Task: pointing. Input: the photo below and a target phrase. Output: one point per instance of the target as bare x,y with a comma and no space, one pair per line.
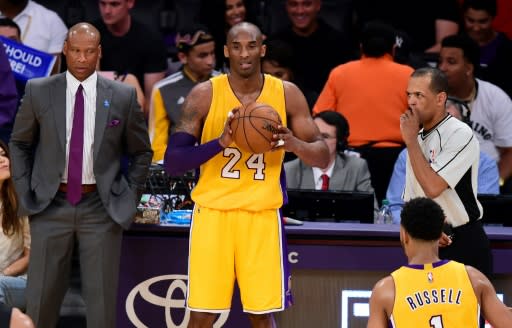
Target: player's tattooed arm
182,152
194,110
188,117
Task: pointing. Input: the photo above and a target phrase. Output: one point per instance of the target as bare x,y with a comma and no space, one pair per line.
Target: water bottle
384,216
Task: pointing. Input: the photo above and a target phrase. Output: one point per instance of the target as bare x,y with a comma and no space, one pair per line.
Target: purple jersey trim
288,297
182,154
421,266
282,180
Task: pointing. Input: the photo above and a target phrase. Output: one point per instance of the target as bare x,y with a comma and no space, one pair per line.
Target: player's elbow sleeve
183,155
175,162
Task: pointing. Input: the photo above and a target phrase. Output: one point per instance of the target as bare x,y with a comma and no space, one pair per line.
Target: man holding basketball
236,231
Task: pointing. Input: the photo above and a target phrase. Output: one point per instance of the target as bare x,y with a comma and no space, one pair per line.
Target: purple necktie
74,187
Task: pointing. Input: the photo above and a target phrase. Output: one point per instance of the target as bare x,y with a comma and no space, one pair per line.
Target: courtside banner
27,63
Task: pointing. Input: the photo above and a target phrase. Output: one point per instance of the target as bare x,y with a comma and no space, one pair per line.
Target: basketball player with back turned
429,292
236,231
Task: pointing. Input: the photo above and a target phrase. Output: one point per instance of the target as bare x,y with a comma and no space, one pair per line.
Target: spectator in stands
490,108
344,172
9,29
279,62
8,97
502,21
41,28
14,318
129,46
404,54
434,19
14,239
196,52
219,16
317,47
488,175
495,47
370,93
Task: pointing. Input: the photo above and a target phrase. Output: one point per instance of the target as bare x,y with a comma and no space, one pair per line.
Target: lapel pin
106,103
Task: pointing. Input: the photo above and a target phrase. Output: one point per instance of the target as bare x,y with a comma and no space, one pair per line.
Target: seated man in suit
345,171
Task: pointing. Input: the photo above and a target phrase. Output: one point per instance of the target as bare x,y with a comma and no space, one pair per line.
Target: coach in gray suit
69,139
345,172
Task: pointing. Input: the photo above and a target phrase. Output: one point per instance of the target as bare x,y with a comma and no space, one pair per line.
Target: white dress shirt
318,172
89,90
41,28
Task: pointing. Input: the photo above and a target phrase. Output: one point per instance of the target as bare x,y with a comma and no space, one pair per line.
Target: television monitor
497,209
333,206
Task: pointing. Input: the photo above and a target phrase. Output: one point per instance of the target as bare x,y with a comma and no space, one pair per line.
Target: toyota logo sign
176,281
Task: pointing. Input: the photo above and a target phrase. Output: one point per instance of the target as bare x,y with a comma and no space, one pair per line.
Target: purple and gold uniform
236,230
434,295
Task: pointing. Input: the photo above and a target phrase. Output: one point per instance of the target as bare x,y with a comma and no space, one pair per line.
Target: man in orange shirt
370,93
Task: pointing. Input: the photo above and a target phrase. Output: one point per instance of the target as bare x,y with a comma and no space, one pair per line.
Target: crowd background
150,45
326,47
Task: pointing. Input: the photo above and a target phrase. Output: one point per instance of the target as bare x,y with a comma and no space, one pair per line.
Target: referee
442,164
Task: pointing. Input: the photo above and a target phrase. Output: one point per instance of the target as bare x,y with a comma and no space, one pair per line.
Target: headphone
342,128
342,132
462,107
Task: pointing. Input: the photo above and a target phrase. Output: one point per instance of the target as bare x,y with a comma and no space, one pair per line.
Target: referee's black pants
470,246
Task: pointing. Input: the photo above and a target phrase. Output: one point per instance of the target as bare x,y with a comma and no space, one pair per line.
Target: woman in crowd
14,239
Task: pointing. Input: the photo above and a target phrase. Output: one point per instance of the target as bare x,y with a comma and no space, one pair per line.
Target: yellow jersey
236,179
435,295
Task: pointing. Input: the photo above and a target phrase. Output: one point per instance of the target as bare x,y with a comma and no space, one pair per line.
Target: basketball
253,127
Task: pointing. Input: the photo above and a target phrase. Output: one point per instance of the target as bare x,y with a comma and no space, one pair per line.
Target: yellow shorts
248,247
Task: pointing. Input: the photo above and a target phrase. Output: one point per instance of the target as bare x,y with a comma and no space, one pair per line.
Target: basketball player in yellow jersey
429,292
236,232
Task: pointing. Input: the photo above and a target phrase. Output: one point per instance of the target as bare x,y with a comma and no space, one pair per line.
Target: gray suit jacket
38,146
350,173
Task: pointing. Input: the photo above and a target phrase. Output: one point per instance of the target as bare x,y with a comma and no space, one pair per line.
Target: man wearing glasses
344,172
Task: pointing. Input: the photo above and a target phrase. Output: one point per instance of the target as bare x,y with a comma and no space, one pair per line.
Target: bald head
82,50
244,48
244,27
85,30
